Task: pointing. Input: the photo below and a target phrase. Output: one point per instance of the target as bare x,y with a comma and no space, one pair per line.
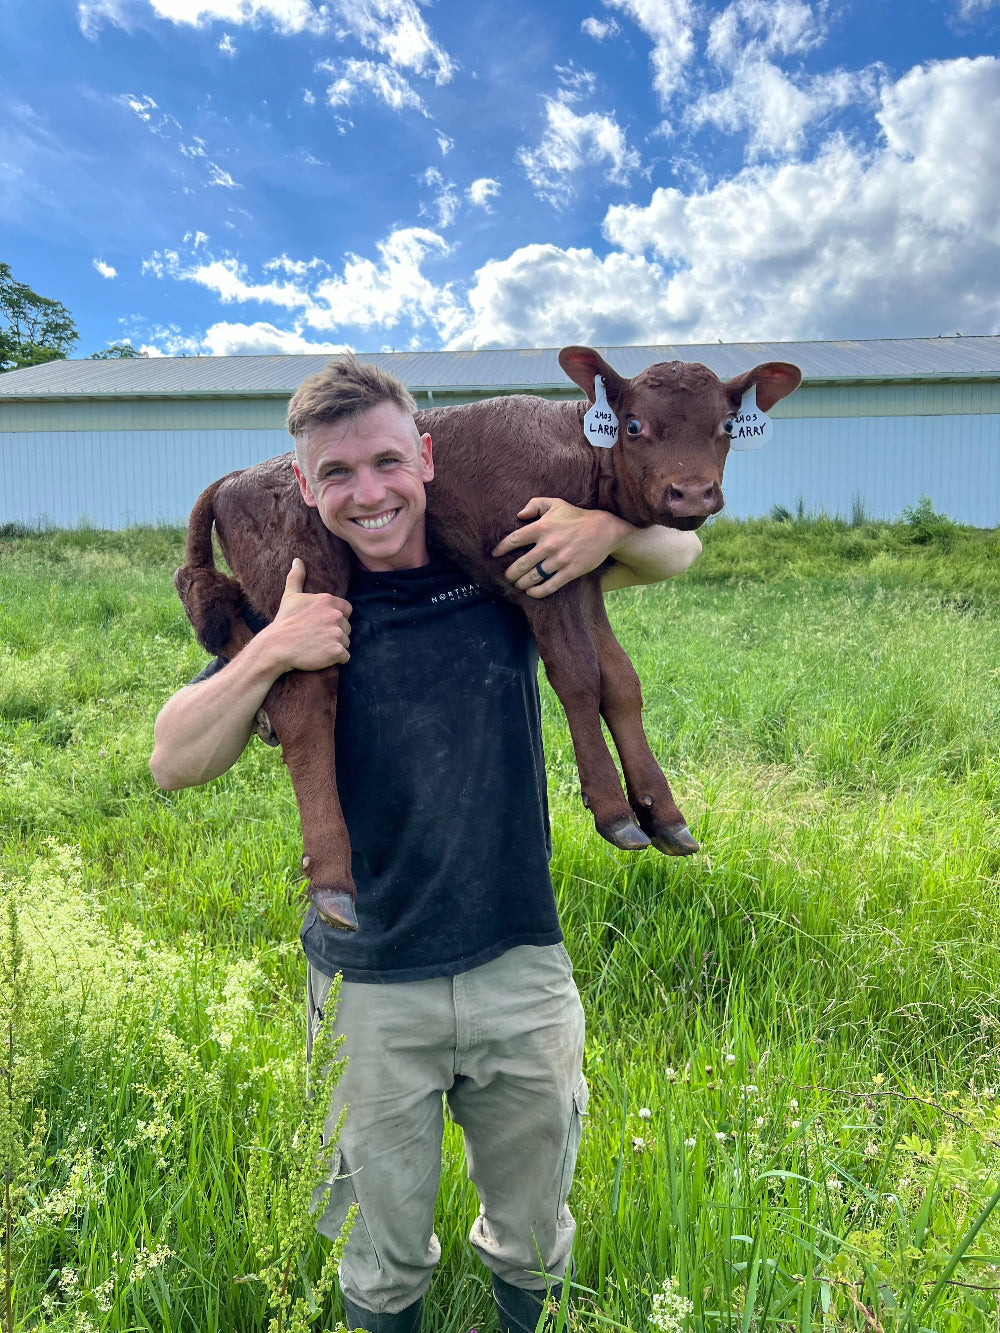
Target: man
457,982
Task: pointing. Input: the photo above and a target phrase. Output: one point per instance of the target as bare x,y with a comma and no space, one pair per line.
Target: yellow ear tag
600,425
751,427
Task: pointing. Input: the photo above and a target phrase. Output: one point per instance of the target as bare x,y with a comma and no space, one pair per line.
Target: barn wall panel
889,462
112,478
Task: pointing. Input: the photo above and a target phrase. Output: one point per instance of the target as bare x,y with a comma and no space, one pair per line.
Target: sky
240,176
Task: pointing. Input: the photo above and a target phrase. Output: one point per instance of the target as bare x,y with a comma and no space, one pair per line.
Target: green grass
807,1009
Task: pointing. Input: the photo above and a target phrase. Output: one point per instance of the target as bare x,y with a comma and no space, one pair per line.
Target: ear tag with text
751,428
600,425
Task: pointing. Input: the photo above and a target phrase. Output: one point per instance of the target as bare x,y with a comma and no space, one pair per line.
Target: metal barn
877,423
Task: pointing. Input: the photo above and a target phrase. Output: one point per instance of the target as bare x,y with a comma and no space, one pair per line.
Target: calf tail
212,602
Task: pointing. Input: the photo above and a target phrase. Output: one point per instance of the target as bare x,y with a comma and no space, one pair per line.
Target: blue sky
224,176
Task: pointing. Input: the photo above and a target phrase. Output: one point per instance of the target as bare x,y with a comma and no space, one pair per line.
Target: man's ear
307,494
426,458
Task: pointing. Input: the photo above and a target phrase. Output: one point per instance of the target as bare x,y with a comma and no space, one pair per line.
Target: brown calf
675,421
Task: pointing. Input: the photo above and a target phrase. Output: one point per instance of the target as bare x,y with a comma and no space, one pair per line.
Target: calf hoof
624,833
675,840
335,907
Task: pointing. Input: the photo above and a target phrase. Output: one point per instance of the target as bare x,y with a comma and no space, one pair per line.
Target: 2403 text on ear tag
600,425
751,427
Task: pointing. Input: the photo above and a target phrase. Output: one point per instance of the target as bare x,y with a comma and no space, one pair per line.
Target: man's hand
567,542
564,540
311,630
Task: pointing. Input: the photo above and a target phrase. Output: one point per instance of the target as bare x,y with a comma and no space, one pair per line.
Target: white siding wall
889,461
110,478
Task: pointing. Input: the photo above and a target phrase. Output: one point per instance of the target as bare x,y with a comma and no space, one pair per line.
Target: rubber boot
407,1321
517,1309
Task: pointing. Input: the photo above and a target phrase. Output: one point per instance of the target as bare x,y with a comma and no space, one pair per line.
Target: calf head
675,420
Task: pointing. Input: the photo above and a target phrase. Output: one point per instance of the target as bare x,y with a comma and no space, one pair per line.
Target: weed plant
793,1038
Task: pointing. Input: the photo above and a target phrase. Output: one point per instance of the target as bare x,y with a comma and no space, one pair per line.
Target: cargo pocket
342,1195
581,1095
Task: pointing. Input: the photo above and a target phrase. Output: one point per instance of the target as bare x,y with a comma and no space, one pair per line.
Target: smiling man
456,986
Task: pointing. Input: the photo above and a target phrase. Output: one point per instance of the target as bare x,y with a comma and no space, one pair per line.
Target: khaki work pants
503,1043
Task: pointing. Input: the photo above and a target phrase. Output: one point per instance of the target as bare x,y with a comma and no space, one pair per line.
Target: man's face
366,477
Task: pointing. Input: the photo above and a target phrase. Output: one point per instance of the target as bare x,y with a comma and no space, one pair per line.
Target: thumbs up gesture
311,630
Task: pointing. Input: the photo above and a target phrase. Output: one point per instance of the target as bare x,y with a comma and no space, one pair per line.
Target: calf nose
694,501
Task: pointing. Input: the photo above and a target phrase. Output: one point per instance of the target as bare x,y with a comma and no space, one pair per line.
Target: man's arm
204,728
568,542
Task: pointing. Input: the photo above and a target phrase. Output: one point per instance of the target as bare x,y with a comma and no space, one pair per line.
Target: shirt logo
460,594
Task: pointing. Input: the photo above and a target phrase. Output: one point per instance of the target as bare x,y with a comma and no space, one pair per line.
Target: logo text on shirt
457,594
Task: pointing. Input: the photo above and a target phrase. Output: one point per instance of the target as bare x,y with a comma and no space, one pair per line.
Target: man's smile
377,522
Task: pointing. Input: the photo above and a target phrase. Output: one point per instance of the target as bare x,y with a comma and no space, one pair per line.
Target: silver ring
543,573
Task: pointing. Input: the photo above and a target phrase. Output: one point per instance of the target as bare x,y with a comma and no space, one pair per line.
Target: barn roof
871,361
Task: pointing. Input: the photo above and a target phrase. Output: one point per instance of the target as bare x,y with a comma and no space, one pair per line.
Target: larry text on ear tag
600,425
751,428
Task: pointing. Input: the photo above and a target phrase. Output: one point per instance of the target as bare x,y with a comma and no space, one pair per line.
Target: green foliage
123,351
793,1037
36,328
926,524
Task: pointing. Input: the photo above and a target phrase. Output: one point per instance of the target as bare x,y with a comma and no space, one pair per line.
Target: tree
118,352
35,328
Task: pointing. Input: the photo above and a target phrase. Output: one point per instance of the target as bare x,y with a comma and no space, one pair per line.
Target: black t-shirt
441,776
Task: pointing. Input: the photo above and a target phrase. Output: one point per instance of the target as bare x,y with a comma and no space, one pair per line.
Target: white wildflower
670,1308
670,1074
720,1134
645,1113
759,1122
834,1184
689,1143
793,1105
730,1059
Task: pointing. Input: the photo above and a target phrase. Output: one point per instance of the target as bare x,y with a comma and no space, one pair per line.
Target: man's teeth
371,524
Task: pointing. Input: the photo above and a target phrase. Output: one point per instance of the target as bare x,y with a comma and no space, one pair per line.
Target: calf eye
634,426
727,425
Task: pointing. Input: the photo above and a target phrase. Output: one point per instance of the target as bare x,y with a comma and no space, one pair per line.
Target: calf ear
774,380
581,364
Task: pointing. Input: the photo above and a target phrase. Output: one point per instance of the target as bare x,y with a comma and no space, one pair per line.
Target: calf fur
666,467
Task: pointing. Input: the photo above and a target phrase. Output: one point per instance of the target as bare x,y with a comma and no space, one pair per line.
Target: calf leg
570,658
302,708
621,707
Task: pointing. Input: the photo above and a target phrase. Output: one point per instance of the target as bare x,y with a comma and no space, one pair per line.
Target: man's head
361,463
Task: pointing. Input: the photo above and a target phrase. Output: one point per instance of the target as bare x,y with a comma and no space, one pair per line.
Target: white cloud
599,29
543,296
775,110
105,270
897,241
287,16
216,176
227,46
570,143
391,291
357,77
969,9
445,203
481,191
763,28
150,113
227,278
368,294
444,143
396,29
670,24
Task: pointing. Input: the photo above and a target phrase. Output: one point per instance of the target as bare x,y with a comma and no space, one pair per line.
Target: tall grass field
794,1037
